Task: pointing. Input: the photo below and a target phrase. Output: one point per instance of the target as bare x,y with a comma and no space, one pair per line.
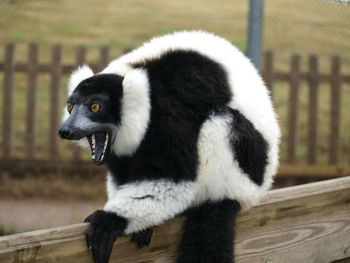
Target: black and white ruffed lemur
186,126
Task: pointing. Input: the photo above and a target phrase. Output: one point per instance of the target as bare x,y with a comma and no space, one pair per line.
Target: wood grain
293,114
56,72
334,139
309,223
32,98
8,99
313,110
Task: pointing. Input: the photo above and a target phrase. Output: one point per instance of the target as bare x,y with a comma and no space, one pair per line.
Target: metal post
255,29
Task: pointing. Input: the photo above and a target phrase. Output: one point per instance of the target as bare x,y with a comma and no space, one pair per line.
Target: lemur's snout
64,133
68,134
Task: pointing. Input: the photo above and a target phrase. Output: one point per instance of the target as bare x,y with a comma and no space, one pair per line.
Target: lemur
185,126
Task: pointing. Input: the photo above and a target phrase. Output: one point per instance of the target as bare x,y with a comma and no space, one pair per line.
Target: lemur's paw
103,230
142,238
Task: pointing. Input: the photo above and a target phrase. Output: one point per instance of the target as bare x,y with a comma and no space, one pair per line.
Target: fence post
31,100
255,29
56,72
293,108
104,58
335,111
9,69
80,59
313,79
268,70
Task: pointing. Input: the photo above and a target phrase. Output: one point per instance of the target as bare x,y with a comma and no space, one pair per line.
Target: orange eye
95,107
69,107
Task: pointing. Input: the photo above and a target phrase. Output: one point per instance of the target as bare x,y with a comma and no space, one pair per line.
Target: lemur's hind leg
209,233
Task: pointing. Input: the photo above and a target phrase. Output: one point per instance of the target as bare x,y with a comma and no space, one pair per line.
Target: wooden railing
54,154
308,223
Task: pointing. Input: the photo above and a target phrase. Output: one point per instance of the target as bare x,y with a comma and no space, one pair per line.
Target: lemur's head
111,111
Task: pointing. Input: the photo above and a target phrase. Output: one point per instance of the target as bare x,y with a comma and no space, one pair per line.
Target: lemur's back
201,80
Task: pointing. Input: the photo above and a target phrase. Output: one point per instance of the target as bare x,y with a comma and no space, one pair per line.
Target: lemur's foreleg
136,207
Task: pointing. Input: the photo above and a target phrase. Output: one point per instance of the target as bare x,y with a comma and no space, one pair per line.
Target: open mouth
100,146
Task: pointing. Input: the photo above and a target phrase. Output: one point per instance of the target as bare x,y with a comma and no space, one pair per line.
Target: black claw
142,238
103,230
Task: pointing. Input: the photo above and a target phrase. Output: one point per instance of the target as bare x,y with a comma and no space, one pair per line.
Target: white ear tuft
78,76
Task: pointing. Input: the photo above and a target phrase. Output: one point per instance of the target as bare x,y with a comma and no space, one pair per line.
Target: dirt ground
21,215
35,202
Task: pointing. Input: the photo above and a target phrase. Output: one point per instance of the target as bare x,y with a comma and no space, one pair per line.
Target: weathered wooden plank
104,58
80,57
317,171
8,100
309,223
313,110
293,114
278,75
345,260
56,72
268,72
47,68
334,127
30,140
80,60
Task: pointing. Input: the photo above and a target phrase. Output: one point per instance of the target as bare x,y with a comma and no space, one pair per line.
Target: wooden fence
308,223
56,70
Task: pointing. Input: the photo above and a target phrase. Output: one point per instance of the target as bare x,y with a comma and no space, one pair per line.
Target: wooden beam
309,223
8,100
319,171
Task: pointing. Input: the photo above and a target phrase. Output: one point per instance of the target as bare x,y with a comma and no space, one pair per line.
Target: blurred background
46,182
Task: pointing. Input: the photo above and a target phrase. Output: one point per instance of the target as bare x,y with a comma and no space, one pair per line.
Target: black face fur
99,127
105,89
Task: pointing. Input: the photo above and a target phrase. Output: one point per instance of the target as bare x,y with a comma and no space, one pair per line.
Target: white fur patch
149,203
135,112
78,76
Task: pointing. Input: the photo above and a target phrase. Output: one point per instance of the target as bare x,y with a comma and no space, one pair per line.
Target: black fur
209,233
103,230
185,88
142,238
107,90
249,146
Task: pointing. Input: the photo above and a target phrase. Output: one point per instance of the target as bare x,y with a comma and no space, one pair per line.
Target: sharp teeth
93,140
105,146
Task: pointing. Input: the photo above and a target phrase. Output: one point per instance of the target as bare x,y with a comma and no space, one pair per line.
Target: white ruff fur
149,203
250,95
135,113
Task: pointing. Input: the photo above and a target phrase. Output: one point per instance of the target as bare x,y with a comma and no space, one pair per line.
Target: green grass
299,26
